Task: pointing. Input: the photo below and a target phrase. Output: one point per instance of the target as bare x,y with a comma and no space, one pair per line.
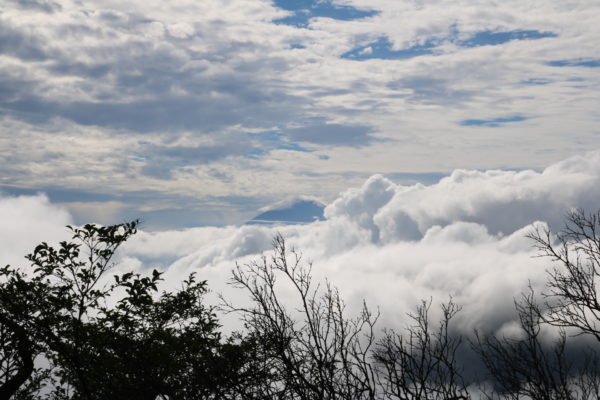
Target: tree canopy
69,329
98,338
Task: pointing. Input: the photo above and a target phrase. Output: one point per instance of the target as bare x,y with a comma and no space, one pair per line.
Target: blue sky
193,113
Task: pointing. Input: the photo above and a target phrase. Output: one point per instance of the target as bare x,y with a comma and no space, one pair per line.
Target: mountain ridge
298,211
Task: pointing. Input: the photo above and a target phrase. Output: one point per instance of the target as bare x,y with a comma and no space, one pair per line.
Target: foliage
523,366
421,363
528,367
318,352
69,330
102,339
573,291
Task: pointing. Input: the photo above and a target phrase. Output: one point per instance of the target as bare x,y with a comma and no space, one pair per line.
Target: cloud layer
165,107
390,244
394,245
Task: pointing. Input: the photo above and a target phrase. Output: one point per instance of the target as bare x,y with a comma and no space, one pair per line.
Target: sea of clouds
389,244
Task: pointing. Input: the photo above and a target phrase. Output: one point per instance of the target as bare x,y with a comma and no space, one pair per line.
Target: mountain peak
301,210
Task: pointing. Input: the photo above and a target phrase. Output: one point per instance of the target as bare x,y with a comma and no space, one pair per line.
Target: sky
201,113
436,133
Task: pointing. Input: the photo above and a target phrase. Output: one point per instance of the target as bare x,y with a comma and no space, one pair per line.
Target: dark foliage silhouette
318,352
421,362
71,330
572,297
107,338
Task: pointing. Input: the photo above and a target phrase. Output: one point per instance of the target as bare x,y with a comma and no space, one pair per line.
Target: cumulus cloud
26,222
394,245
390,244
502,201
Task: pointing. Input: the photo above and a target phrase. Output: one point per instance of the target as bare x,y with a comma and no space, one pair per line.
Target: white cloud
502,201
394,245
26,222
194,78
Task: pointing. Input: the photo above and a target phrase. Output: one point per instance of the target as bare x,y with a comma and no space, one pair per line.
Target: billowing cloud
502,201
394,245
390,244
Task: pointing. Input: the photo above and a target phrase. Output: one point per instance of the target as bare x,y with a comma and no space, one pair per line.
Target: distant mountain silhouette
300,211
